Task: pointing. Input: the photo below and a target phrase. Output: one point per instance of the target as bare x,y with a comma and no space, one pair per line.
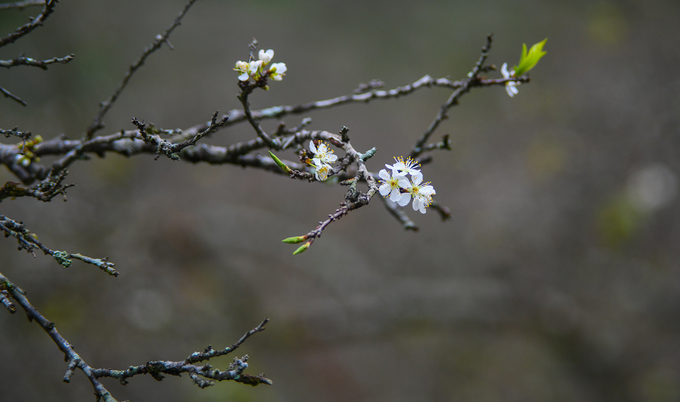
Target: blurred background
557,278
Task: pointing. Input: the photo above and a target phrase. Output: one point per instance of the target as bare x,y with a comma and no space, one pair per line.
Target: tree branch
155,45
27,61
35,22
29,241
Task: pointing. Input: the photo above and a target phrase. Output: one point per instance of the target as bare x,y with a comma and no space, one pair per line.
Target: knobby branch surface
27,61
73,359
28,241
203,375
354,198
169,148
44,191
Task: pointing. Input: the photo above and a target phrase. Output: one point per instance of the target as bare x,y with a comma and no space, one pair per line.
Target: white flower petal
395,195
504,70
384,189
403,182
405,198
511,89
267,56
279,68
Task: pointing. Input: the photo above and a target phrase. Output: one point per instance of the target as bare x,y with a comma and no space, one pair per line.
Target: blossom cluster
323,157
400,189
257,68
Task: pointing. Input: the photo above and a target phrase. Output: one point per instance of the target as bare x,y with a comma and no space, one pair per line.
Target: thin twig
276,112
157,368
27,61
35,22
243,97
157,43
473,79
169,148
44,191
29,241
12,96
20,5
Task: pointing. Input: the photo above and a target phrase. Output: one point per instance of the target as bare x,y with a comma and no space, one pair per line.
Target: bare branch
12,96
20,5
15,132
27,61
157,43
157,368
150,136
29,241
44,191
473,80
70,354
35,22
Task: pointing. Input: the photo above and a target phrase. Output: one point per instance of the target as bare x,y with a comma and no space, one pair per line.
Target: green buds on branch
303,248
294,240
529,59
281,164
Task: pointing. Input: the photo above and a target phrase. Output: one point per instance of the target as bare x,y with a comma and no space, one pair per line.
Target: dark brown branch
24,135
70,354
472,80
234,372
35,22
156,369
157,43
243,97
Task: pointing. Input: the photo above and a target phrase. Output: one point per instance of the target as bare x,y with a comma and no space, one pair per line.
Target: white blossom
322,153
321,170
277,71
266,57
256,68
421,193
243,67
392,185
510,86
410,166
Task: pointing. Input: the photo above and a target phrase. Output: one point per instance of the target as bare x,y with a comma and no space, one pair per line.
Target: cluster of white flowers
257,68
400,189
323,157
510,86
